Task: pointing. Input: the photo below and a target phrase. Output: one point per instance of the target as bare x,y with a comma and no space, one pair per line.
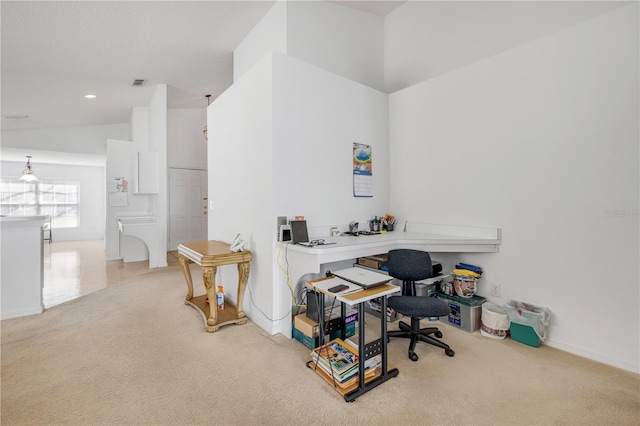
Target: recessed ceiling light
89,96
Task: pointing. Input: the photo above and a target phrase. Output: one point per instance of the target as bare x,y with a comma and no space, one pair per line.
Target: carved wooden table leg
184,264
243,277
208,277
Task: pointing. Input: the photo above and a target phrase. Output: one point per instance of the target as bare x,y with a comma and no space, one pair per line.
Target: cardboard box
314,342
373,264
309,342
306,325
375,261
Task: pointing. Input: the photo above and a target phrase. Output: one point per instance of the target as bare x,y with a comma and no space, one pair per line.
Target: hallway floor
76,268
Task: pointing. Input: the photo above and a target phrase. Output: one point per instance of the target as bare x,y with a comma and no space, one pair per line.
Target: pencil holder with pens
387,222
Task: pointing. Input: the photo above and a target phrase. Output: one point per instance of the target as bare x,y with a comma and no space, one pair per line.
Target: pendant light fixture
204,132
27,173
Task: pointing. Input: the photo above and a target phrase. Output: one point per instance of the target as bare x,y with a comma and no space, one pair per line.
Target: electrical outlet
496,290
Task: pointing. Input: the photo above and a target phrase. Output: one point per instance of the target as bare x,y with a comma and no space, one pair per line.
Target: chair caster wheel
449,352
413,357
438,334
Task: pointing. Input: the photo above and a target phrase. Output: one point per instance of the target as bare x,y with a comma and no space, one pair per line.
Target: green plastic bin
528,323
524,334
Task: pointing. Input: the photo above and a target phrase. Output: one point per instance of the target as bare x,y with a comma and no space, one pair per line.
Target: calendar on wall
117,187
362,170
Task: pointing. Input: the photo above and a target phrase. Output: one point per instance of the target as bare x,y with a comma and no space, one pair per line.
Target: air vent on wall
138,82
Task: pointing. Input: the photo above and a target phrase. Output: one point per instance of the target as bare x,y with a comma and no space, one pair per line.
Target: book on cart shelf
336,356
340,363
345,378
351,381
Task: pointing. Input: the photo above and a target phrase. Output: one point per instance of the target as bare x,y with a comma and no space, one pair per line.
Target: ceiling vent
138,82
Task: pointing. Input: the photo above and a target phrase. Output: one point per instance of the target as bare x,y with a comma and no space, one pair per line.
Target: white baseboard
21,312
614,362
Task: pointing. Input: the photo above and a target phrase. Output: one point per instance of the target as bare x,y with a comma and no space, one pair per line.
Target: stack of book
340,362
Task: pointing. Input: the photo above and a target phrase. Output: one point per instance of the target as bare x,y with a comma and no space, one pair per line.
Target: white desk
303,260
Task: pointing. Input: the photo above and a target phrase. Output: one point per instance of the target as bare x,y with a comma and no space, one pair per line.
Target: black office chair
411,266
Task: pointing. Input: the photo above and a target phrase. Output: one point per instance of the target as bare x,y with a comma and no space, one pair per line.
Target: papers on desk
325,285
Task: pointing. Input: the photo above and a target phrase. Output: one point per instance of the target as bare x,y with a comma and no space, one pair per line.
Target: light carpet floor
135,354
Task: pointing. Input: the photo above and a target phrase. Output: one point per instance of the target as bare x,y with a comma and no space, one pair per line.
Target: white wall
270,34
274,152
149,133
88,140
318,116
336,38
92,207
186,146
80,152
240,183
424,39
542,141
68,153
119,164
158,143
139,127
120,156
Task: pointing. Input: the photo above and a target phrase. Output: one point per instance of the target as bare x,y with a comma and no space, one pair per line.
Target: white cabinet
146,173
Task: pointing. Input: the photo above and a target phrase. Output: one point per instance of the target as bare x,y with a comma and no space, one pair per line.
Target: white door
187,206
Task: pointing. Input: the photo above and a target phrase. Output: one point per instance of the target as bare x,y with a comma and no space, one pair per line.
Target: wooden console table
209,255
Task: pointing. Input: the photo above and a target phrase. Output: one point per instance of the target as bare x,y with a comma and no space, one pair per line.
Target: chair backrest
409,265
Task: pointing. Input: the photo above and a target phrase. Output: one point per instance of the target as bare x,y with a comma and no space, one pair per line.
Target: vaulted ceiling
53,53
56,52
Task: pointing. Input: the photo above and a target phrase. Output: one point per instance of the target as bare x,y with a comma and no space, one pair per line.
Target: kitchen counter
22,265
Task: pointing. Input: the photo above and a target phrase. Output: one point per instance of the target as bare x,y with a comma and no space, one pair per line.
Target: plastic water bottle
220,298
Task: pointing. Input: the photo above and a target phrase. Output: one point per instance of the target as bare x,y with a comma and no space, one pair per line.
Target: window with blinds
57,198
